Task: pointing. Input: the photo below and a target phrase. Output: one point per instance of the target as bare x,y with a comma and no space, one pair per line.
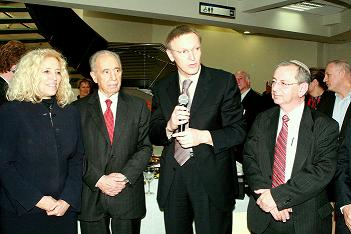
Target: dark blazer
313,168
343,180
38,159
252,104
326,105
215,107
129,155
3,89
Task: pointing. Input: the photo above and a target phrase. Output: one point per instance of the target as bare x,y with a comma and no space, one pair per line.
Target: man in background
10,54
250,99
115,130
197,174
336,104
289,158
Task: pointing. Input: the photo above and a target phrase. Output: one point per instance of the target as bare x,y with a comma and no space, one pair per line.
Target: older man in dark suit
197,173
289,158
117,149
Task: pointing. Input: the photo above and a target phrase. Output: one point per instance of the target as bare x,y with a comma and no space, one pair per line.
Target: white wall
222,48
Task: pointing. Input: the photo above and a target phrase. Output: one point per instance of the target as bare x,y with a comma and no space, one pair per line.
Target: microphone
183,100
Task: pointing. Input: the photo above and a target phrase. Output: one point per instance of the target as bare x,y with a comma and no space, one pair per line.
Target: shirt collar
193,78
103,97
296,113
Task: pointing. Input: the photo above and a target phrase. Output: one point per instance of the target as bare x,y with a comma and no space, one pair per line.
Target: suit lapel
120,118
305,140
271,130
346,120
201,90
172,91
96,113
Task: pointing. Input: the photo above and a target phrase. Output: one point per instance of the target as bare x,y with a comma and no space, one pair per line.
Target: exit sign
216,10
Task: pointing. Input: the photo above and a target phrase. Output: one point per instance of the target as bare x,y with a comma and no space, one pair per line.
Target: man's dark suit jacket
313,168
215,107
326,105
252,104
3,89
343,180
129,155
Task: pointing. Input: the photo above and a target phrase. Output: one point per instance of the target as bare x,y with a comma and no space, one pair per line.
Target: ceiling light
246,32
304,6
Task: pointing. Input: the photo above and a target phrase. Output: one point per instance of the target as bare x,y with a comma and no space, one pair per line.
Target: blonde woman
40,149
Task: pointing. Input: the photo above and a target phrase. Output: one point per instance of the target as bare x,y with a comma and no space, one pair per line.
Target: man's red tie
279,164
109,120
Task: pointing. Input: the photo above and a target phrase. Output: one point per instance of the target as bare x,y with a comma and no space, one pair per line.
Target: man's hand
193,137
265,201
111,184
59,209
180,115
346,210
46,203
282,215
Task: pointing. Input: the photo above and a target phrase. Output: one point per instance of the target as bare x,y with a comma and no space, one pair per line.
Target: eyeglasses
186,53
282,83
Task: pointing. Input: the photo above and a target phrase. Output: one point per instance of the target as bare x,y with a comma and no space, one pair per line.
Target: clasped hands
190,137
267,204
112,184
52,206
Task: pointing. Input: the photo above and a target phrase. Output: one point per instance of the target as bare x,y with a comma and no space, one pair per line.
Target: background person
10,54
84,87
40,149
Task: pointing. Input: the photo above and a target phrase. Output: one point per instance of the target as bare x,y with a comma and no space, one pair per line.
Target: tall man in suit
289,158
197,174
10,54
117,149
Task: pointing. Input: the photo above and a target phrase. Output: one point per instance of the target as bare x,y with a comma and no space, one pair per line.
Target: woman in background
40,149
84,86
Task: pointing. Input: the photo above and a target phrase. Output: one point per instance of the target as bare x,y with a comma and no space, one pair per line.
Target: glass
283,84
186,53
149,175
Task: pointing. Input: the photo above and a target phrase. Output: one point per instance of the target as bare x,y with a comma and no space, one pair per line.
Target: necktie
109,120
279,164
182,155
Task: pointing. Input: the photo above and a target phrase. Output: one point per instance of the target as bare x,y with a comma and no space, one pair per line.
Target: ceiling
328,24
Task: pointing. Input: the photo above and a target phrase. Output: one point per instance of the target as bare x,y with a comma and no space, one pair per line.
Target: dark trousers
188,202
118,226
276,227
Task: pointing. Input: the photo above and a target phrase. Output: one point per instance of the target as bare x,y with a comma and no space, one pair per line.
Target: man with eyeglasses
289,158
197,172
10,54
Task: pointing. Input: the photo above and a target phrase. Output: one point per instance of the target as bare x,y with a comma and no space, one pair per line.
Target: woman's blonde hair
25,83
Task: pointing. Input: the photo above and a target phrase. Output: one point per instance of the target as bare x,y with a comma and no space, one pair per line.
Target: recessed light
247,32
303,6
